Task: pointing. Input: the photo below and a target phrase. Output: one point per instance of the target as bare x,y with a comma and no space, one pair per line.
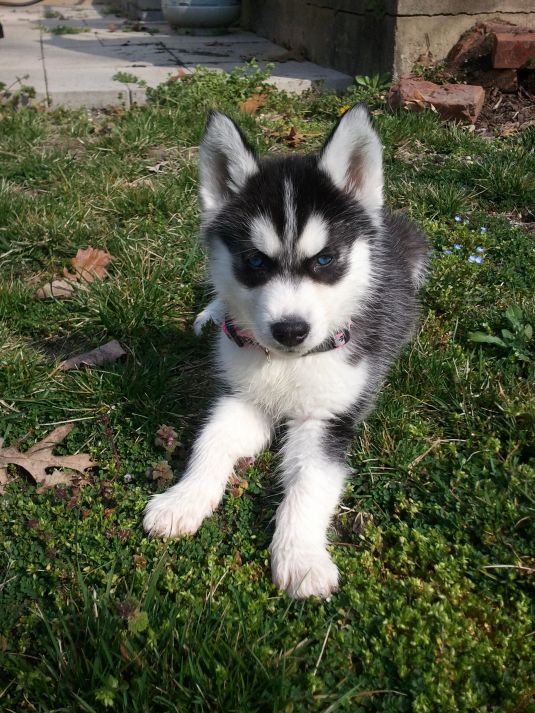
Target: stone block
513,51
462,102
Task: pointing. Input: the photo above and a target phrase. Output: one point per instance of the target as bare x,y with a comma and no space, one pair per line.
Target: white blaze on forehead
313,237
290,210
264,236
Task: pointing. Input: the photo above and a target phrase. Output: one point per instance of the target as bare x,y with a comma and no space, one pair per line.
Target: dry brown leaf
255,102
60,289
419,97
58,477
39,457
294,137
180,73
105,354
89,264
293,55
157,167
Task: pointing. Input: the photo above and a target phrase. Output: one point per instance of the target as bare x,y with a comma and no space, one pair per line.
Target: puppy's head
289,239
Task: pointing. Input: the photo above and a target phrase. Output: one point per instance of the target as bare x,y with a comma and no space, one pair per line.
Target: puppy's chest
320,385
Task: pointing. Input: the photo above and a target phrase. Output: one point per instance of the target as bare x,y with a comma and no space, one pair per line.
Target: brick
477,43
470,46
461,102
497,27
512,51
504,79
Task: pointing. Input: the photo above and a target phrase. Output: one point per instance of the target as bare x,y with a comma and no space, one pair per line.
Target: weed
66,30
16,94
375,82
127,78
516,339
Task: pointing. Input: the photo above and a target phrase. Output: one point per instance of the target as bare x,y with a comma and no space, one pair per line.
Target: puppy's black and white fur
301,251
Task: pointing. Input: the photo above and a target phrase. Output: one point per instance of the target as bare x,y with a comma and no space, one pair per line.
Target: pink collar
243,338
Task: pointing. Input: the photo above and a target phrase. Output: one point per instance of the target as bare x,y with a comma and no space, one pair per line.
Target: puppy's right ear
226,161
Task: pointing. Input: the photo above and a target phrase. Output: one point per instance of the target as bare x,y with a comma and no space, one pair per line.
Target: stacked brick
490,55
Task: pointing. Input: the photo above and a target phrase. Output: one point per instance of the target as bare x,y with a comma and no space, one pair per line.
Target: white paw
175,513
200,320
304,573
214,312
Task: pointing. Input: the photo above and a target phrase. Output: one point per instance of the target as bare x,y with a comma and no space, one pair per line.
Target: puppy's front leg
235,429
313,481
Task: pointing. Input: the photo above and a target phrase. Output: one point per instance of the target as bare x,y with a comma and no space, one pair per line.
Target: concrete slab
77,69
18,68
68,89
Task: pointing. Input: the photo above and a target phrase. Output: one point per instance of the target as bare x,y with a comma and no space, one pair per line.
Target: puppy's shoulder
408,242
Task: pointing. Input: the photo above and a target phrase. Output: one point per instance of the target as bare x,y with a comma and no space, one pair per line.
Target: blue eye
256,261
324,260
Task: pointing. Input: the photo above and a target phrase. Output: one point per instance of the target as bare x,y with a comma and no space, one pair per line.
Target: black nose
290,332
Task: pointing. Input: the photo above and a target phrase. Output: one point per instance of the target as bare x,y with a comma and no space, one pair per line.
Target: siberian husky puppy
316,293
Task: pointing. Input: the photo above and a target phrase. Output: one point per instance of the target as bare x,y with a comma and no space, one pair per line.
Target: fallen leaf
57,477
89,264
157,167
180,73
293,55
106,354
39,457
60,289
294,137
255,102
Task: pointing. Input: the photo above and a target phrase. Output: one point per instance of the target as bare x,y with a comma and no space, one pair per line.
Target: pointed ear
226,160
353,158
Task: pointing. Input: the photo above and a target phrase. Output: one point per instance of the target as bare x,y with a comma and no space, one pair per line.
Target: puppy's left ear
226,161
353,158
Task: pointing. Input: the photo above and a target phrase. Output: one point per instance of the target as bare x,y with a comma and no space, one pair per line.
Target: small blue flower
483,230
458,219
477,259
447,252
457,246
479,249
430,252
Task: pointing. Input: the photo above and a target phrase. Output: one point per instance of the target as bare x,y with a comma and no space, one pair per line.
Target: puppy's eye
324,260
256,261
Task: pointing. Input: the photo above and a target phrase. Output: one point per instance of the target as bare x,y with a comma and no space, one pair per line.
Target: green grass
66,30
435,611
